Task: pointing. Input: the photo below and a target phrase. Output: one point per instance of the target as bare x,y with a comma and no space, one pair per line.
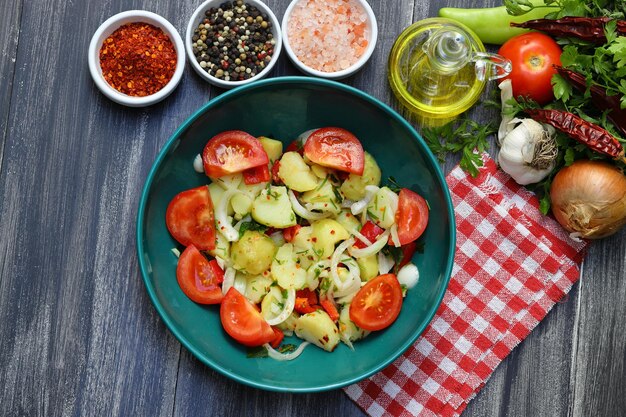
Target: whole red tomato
533,56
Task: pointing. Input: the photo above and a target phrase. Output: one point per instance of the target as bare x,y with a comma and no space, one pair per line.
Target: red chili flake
138,59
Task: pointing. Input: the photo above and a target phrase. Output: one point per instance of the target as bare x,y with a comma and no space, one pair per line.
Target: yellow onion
589,199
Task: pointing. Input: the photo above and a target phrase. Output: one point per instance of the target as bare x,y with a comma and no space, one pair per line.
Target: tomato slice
290,232
256,175
411,216
377,304
275,168
190,220
296,146
242,321
330,309
198,277
278,338
371,231
336,148
232,152
407,253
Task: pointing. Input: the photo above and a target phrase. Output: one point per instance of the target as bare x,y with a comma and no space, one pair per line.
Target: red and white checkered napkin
512,264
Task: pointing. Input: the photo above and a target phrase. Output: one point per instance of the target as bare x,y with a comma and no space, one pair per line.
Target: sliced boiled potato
383,207
325,197
368,265
216,193
348,331
295,173
289,325
222,247
303,247
320,171
258,286
273,208
241,204
319,329
354,186
273,148
325,234
253,252
273,303
286,271
348,221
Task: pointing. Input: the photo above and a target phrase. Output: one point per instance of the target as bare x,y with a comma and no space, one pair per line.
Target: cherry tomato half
533,56
189,218
232,152
256,175
377,304
336,148
243,322
198,277
411,216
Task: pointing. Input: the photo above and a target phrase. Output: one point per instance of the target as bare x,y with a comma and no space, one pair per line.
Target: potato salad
303,241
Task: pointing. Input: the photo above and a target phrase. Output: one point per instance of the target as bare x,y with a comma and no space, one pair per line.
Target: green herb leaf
257,352
463,135
252,226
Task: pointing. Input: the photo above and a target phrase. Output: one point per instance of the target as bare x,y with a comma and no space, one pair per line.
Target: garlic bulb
528,152
506,94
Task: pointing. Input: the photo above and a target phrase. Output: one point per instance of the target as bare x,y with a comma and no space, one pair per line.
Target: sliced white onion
240,283
278,238
385,263
346,299
371,249
360,237
221,262
221,216
395,239
304,213
334,261
302,137
359,206
274,354
289,303
408,275
176,252
198,166
245,219
346,203
355,280
229,279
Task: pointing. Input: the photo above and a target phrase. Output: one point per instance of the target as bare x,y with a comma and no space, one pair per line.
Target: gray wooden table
78,334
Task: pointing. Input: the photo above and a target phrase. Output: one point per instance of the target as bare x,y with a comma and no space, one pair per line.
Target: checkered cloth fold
512,264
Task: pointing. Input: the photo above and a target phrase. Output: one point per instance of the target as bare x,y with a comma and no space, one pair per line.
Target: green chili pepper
492,25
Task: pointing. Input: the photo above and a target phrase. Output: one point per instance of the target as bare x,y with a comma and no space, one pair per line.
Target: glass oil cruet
438,68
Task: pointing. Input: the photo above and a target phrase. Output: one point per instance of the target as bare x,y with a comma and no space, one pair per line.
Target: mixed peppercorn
233,42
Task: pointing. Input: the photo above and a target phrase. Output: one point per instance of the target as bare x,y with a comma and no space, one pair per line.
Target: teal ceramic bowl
282,108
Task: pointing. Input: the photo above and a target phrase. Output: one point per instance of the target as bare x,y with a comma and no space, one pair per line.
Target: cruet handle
491,66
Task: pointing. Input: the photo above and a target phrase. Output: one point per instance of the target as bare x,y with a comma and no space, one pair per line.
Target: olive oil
438,69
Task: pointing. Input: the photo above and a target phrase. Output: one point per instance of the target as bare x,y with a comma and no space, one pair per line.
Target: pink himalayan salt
328,35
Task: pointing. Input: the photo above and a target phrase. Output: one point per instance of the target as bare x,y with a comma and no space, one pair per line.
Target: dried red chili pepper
617,115
590,134
590,29
138,59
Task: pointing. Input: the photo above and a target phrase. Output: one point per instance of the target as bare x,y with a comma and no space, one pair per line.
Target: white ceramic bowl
373,31
197,17
112,24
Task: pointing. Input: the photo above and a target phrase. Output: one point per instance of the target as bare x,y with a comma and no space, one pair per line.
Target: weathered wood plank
9,35
599,368
79,335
